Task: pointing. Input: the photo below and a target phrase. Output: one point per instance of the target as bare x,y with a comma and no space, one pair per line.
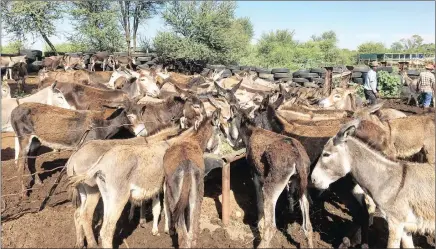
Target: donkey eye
325,154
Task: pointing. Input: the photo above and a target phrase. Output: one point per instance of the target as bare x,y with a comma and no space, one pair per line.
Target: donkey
38,124
141,178
278,162
404,191
81,160
184,181
412,84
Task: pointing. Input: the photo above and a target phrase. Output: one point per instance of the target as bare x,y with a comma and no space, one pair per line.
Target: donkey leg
80,234
395,234
17,149
307,225
92,198
166,211
259,200
271,191
362,214
113,207
407,240
156,213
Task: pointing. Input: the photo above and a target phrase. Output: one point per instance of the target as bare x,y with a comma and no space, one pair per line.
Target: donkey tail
75,180
180,209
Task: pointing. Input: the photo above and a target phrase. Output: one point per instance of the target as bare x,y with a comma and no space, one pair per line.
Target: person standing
370,85
425,86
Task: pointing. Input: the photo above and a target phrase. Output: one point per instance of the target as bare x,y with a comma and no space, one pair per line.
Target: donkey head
214,140
228,94
340,98
335,160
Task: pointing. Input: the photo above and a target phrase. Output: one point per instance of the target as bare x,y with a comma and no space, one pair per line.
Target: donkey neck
203,134
380,177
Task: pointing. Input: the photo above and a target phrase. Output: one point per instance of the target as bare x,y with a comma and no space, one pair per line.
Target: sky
354,22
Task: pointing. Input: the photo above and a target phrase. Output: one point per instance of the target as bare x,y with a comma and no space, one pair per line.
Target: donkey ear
375,107
347,130
216,116
221,91
236,87
278,101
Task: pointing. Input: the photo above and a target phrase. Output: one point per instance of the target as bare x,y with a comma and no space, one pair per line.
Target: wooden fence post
226,193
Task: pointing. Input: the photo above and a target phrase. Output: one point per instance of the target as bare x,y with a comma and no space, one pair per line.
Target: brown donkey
184,185
278,162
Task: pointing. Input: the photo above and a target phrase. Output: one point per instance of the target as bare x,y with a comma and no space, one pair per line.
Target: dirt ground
24,226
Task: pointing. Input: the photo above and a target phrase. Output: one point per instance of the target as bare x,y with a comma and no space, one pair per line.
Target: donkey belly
416,224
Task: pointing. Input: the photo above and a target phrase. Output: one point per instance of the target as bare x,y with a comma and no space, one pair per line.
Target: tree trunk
49,43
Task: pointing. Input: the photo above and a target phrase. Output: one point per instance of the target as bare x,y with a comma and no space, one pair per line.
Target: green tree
135,13
397,47
95,23
203,30
12,47
67,47
31,17
371,47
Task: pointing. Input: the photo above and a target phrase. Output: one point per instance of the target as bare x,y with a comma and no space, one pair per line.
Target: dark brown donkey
184,185
277,162
57,128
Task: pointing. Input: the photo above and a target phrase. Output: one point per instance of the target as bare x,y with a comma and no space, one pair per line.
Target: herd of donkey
293,143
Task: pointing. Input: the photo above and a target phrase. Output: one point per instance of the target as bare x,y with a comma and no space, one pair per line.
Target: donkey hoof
263,244
155,232
167,231
142,223
79,245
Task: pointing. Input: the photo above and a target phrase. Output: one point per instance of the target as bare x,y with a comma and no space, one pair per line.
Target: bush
389,85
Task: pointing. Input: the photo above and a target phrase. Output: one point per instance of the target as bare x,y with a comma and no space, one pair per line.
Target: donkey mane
368,132
401,163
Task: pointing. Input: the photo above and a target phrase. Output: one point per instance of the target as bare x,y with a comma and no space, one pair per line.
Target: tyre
296,74
150,63
294,84
282,75
319,80
266,76
279,70
300,80
362,69
413,72
308,75
143,66
215,67
356,75
236,71
386,69
233,67
143,58
318,70
286,79
310,85
358,80
263,70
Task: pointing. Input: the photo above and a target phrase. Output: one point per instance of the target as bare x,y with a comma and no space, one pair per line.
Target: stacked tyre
413,74
265,74
281,74
358,74
313,78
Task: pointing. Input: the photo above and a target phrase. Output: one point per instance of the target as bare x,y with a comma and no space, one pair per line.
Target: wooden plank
226,194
